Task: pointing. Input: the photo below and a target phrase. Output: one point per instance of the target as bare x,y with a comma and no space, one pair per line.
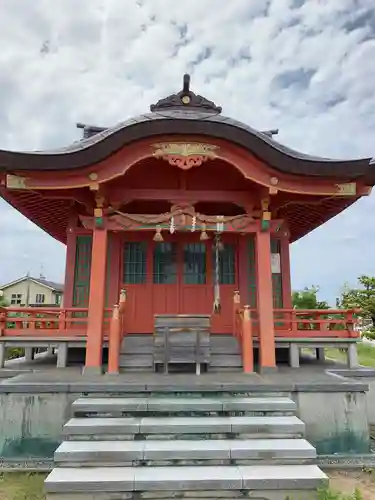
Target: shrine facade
181,211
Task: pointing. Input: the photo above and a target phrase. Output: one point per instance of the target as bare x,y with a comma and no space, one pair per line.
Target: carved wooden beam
241,198
242,225
183,219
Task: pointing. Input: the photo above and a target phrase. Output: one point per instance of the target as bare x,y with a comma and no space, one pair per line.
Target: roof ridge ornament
187,99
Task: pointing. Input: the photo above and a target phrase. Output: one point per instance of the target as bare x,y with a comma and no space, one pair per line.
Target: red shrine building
183,212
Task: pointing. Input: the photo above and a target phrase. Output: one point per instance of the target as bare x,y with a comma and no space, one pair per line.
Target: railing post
114,341
236,307
62,321
122,302
349,321
3,320
247,342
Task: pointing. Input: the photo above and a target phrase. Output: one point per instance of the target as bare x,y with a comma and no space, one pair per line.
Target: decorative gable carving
185,99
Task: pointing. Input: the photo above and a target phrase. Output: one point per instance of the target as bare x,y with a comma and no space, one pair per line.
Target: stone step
144,344
120,406
129,360
267,482
156,452
225,361
114,428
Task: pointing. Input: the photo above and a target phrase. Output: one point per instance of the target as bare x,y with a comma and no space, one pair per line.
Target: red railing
47,322
324,323
71,322
299,323
291,323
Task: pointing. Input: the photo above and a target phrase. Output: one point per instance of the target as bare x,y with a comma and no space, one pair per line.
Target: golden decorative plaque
347,189
15,182
184,154
184,149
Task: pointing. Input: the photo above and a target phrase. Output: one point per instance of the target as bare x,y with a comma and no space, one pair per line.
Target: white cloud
306,67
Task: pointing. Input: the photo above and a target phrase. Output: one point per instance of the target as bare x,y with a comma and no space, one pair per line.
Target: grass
366,354
22,486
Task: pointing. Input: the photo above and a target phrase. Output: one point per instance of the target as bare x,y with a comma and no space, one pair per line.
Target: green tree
307,299
362,298
3,302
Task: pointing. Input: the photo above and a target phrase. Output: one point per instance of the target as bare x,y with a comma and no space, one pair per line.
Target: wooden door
136,268
165,276
180,278
177,276
194,275
197,279
228,280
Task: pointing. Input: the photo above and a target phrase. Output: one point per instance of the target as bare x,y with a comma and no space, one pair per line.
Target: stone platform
36,399
312,376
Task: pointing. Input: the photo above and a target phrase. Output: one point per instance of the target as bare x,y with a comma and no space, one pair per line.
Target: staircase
136,353
177,446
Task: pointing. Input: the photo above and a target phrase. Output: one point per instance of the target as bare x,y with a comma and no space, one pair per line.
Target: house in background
33,292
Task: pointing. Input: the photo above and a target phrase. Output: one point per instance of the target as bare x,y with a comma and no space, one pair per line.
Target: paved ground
43,372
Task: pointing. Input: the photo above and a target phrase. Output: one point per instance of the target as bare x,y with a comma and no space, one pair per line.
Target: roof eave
102,145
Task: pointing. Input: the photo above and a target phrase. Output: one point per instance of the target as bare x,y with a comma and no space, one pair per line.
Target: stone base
62,355
190,495
264,370
2,354
92,371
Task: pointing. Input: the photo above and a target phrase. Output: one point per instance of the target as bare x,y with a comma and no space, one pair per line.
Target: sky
306,67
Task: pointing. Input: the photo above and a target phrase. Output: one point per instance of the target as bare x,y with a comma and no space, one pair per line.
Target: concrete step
267,482
125,428
168,405
188,452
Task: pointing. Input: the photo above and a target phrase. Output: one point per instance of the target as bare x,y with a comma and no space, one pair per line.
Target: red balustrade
47,322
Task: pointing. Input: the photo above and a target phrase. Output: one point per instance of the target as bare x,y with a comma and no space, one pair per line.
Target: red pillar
267,354
96,302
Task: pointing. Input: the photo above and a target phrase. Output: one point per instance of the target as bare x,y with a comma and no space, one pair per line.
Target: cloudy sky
306,67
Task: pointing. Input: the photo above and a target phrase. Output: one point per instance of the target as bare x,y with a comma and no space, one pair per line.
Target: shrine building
179,213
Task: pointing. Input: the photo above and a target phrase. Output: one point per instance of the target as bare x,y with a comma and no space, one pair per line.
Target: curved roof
186,113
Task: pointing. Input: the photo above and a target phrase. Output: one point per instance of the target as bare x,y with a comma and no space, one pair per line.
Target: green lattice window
194,263
227,264
165,263
277,284
252,290
82,269
135,256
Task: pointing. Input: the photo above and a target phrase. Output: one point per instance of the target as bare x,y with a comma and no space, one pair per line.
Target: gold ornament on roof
184,149
15,182
185,154
347,189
